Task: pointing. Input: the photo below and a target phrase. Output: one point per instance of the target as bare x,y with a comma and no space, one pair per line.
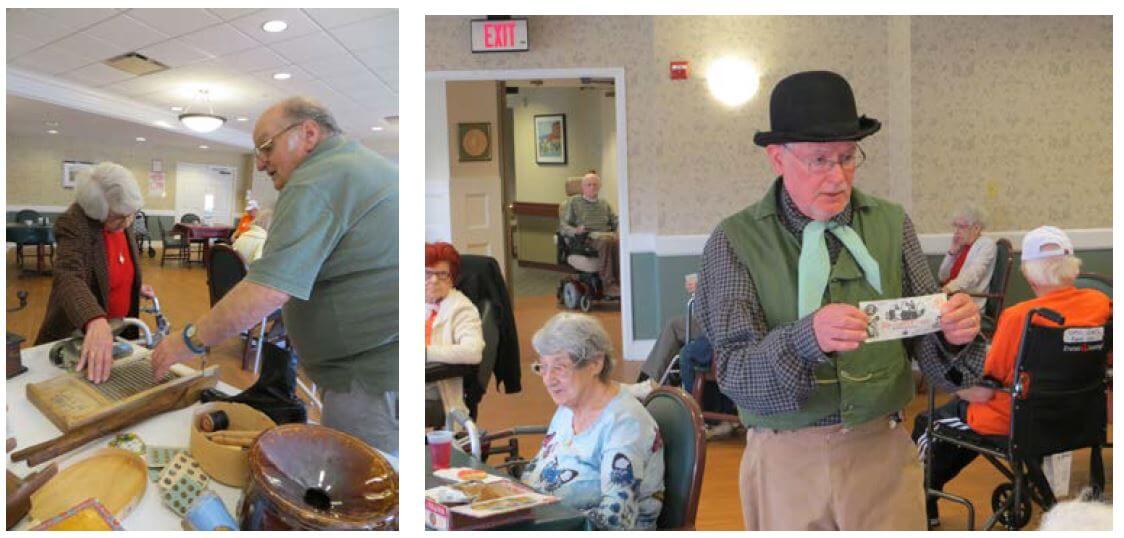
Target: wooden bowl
224,463
116,478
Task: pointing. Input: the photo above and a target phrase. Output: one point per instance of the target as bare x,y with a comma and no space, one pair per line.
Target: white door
475,187
206,190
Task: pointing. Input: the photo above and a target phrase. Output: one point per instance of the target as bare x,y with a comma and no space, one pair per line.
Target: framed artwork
550,139
70,171
474,141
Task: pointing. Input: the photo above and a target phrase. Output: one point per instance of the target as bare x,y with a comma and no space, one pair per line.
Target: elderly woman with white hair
602,453
1050,268
97,274
970,261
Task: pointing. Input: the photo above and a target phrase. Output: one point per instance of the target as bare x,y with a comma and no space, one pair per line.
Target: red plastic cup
440,448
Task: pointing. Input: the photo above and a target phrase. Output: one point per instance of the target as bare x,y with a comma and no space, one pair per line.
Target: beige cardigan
457,338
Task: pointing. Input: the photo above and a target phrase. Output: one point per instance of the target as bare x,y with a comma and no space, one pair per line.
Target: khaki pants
830,478
607,249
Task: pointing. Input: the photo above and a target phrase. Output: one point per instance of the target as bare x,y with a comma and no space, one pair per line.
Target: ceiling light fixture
200,122
203,147
376,128
282,76
52,131
141,139
275,26
242,118
177,109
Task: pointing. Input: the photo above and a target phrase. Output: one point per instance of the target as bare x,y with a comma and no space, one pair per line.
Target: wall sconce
732,81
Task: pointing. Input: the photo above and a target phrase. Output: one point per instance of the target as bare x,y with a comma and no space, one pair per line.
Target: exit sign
504,35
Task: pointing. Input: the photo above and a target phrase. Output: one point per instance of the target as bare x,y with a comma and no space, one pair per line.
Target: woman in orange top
1050,268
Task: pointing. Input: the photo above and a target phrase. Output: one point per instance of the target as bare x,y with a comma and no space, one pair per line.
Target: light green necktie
815,262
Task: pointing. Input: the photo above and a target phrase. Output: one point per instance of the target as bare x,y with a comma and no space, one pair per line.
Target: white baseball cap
1036,239
251,205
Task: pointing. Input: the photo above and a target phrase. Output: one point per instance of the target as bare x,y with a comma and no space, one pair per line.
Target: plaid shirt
771,372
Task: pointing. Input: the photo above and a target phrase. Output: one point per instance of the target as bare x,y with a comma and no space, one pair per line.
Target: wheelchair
580,289
1057,405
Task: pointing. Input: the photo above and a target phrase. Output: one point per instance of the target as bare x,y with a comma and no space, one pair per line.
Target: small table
552,517
40,235
204,233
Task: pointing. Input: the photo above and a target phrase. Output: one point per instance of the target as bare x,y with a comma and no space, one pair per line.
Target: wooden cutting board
116,478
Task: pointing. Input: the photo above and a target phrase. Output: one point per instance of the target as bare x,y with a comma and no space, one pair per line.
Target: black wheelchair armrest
437,371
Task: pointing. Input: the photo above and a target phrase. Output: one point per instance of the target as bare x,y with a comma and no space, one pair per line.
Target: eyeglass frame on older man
823,165
263,150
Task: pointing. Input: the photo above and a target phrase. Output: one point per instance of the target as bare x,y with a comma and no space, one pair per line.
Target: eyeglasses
824,165
265,148
559,370
439,275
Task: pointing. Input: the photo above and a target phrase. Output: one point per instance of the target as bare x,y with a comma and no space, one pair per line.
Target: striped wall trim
932,244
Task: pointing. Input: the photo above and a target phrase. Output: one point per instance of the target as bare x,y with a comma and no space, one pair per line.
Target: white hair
1052,272
302,108
971,215
1085,513
580,336
108,188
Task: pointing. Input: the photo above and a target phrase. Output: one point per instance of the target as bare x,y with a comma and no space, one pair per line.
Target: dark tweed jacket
80,291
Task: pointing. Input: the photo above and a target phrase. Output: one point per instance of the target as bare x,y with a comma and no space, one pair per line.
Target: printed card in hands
906,317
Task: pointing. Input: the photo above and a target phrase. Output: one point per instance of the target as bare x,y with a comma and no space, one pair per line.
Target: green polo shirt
333,247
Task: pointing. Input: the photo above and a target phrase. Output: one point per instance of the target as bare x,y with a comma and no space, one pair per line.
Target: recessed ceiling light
282,76
52,131
376,128
242,118
177,109
203,147
275,26
162,123
141,139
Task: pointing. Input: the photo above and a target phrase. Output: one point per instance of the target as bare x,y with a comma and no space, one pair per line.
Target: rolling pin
242,438
170,399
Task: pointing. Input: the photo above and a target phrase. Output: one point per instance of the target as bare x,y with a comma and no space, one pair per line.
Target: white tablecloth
30,427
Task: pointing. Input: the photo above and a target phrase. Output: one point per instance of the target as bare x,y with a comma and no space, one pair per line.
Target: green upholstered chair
684,450
997,287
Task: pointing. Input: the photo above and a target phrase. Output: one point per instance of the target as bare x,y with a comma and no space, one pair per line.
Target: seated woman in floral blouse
602,453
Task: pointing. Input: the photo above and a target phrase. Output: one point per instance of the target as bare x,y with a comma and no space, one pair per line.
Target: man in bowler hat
778,298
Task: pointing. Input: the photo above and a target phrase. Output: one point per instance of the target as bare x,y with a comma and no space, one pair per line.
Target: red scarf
958,264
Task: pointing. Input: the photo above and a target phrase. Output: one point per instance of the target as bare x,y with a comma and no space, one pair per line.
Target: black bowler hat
814,106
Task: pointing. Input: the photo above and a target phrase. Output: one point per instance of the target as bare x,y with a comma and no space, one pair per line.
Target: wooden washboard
69,400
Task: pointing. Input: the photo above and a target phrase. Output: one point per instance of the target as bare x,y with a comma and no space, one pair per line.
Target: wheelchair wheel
1020,515
585,303
571,295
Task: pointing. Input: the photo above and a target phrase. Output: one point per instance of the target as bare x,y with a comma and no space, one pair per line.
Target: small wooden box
15,365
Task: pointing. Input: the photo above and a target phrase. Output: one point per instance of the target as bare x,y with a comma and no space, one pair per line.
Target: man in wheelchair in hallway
1050,268
588,227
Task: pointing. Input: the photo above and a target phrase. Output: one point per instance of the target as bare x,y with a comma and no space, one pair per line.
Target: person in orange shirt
1050,268
247,219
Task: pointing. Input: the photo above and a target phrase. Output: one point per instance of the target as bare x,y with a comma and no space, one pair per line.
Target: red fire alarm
679,70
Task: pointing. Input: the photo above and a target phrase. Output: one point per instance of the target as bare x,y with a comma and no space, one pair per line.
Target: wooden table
199,232
40,235
552,517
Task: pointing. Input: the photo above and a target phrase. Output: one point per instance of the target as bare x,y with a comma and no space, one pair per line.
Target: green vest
870,382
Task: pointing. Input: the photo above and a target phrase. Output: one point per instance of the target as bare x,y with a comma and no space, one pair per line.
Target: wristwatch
191,339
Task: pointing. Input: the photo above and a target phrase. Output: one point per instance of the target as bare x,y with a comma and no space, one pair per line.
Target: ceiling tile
373,97
18,45
299,24
379,57
389,76
297,74
32,25
74,18
356,81
337,66
331,18
220,40
174,53
139,85
89,47
51,59
253,60
369,33
175,22
308,48
227,14
126,32
98,75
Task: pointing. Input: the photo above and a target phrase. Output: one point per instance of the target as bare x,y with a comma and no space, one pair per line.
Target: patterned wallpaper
1014,101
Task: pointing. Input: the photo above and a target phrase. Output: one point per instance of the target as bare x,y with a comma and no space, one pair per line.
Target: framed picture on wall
70,171
474,141
550,139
